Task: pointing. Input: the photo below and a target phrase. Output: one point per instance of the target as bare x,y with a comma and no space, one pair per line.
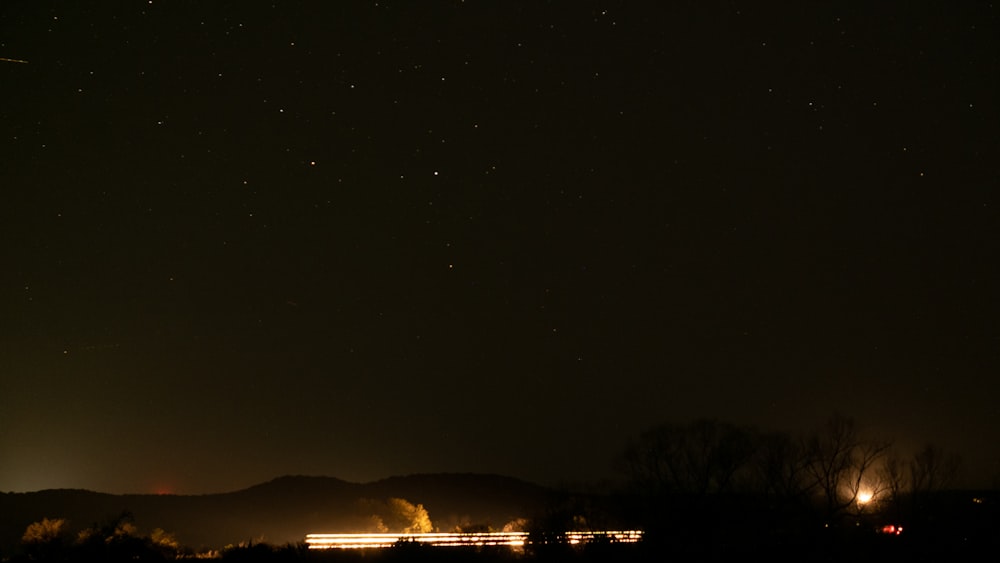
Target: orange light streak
512,539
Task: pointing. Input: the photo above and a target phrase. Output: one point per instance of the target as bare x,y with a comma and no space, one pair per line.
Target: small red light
892,529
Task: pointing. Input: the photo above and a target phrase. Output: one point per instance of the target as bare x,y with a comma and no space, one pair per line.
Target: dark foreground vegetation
851,544
704,491
941,526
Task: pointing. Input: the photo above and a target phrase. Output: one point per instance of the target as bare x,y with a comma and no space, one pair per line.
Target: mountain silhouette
281,510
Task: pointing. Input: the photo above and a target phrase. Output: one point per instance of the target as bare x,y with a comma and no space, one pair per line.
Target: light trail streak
13,60
512,539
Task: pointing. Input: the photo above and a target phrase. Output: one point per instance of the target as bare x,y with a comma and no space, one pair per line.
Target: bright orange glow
864,497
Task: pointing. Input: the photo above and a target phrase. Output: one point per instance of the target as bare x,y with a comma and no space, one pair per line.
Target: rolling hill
282,510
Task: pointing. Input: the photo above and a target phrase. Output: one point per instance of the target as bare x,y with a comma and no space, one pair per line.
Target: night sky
358,239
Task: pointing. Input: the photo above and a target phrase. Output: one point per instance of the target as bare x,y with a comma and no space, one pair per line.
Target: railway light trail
511,539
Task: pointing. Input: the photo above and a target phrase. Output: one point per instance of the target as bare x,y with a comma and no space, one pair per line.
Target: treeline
117,539
714,490
834,471
120,539
706,490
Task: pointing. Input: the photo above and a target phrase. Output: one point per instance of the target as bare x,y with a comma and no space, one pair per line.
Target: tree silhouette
394,515
933,469
841,463
409,518
780,468
118,539
910,482
164,542
45,539
706,456
44,531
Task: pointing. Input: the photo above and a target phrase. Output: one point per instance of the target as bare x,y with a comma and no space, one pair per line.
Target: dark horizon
365,239
963,477
280,514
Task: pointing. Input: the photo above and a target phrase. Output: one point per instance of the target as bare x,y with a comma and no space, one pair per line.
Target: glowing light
892,530
864,497
512,539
